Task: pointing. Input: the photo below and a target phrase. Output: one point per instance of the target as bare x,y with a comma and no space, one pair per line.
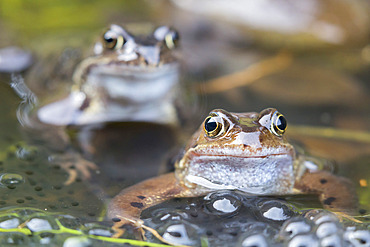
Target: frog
246,152
129,78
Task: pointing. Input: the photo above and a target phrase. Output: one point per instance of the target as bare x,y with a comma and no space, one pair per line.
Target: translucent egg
327,228
256,240
181,234
304,240
358,237
295,226
222,203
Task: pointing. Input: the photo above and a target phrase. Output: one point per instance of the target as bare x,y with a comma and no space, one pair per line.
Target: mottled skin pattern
241,136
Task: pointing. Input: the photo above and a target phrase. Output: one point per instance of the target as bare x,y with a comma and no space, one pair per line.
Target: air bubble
7,179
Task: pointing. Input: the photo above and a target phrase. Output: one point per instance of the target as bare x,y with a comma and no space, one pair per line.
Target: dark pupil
281,123
108,38
210,124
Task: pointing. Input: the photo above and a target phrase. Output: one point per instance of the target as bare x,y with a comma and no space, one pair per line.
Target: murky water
322,90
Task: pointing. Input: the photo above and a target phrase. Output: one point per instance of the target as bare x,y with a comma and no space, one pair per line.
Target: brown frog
236,151
130,78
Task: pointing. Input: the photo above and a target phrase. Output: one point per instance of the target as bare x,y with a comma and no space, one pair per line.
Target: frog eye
112,40
278,124
169,36
214,126
172,39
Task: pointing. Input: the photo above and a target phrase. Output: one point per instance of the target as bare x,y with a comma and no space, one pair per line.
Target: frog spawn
227,218
321,228
221,218
34,227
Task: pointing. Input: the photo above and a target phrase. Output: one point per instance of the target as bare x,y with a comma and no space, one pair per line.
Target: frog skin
128,79
236,151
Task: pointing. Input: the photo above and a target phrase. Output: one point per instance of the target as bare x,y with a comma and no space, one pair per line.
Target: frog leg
335,193
75,165
79,167
126,207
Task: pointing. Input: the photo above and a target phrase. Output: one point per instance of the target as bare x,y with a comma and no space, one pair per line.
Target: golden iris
213,126
278,124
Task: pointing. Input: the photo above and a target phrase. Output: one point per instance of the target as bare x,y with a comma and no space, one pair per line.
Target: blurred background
309,59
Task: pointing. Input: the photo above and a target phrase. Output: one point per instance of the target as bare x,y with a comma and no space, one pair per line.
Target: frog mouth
258,174
240,155
122,68
134,84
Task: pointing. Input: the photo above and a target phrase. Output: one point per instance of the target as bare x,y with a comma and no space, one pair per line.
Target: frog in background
129,79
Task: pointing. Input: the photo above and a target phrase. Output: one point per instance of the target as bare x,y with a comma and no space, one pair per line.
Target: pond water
321,87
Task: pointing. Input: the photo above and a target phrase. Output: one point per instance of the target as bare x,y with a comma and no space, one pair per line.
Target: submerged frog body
128,79
237,151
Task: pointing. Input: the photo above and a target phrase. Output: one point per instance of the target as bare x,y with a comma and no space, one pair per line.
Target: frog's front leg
126,207
335,193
